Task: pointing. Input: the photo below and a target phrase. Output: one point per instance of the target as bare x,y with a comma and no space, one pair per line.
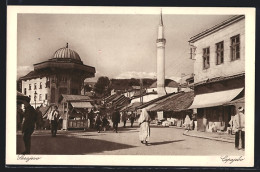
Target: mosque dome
66,53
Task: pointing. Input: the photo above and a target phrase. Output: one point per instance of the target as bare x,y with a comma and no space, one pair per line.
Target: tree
102,87
133,82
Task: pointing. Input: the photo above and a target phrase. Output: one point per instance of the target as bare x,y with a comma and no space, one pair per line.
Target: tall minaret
160,42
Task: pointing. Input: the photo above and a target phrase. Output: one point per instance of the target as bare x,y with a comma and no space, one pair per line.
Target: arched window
30,86
35,86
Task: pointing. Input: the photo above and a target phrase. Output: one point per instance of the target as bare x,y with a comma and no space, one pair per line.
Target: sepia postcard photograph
130,86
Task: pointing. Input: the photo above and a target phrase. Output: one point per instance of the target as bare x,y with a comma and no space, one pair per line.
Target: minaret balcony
161,40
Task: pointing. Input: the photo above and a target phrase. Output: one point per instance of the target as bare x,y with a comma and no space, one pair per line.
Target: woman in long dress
187,122
144,122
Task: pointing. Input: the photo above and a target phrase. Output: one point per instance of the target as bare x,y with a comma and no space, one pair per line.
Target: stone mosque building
64,73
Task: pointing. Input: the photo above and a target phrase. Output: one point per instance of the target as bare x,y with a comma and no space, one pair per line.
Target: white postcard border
127,160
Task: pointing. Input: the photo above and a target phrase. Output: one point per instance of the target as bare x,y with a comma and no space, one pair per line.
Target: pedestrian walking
105,123
187,122
144,122
239,128
116,119
132,118
19,117
54,118
124,118
91,118
28,124
39,121
98,122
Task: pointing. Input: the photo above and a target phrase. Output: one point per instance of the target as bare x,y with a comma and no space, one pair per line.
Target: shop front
213,112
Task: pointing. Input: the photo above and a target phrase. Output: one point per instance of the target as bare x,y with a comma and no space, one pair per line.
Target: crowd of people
31,119
100,121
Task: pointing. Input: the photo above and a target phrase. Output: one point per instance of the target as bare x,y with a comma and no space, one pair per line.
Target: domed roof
66,53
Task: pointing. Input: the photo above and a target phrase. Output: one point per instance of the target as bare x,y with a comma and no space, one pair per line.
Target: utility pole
141,90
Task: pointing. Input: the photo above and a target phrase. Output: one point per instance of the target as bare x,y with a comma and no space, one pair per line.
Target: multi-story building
219,73
64,73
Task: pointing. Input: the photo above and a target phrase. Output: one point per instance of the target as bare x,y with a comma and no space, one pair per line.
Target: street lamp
35,96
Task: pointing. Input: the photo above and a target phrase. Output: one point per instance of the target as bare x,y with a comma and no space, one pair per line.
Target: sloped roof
178,102
121,101
81,104
138,95
35,74
168,83
153,101
117,100
131,107
111,97
67,97
217,27
21,97
221,78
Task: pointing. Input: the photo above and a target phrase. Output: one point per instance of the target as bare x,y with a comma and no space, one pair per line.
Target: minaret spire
161,21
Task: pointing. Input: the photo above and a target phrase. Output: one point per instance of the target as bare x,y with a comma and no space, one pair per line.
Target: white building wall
171,90
229,67
146,98
129,94
150,90
168,90
43,91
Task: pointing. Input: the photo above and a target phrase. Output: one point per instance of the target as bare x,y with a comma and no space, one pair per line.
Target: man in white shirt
54,117
239,128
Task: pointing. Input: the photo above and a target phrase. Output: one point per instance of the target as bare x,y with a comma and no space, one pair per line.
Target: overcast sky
118,46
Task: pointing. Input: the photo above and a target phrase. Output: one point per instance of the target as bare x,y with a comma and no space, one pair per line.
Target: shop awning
81,105
214,99
240,101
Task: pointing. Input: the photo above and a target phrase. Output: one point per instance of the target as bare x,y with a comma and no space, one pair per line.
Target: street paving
163,141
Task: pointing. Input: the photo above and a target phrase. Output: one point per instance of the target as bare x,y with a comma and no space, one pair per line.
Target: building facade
64,73
219,73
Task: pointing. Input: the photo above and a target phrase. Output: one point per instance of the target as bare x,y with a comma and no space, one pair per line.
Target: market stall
75,109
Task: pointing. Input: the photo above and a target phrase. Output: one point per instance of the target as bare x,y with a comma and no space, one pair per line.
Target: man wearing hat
239,127
116,118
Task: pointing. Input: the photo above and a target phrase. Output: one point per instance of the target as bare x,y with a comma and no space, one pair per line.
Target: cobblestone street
163,141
